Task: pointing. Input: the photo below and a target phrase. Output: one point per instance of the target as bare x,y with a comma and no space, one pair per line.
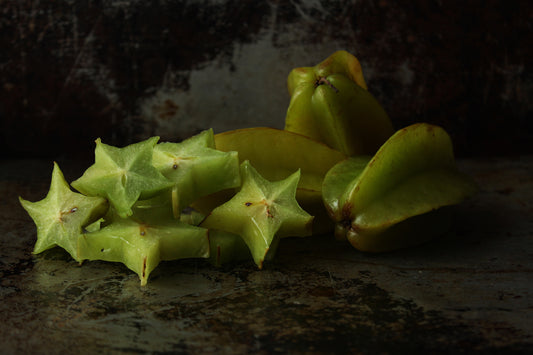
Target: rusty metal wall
72,71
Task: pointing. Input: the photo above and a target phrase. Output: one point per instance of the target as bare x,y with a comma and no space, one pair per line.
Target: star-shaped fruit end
123,175
196,168
141,244
61,216
262,212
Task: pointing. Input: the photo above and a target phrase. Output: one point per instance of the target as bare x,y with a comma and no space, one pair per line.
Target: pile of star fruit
337,168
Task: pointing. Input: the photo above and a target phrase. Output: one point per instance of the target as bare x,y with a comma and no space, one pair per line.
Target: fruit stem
323,80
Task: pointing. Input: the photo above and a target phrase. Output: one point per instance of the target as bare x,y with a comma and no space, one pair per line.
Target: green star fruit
123,175
62,215
261,212
196,168
330,103
399,197
150,235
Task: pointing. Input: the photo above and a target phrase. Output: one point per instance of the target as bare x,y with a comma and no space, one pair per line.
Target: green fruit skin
414,151
300,116
400,197
330,103
340,62
339,179
146,245
195,175
349,118
302,82
411,232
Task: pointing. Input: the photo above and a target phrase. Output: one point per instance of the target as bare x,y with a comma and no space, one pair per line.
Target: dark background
125,70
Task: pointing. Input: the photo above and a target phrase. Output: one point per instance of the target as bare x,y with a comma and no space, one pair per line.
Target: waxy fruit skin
330,103
301,83
400,196
350,119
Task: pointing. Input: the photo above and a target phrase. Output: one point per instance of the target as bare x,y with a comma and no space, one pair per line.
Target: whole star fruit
402,195
196,168
143,240
62,215
123,175
261,213
330,103
276,154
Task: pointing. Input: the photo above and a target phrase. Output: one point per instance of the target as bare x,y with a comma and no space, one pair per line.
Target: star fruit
330,103
261,212
276,154
62,215
399,197
123,175
144,239
196,168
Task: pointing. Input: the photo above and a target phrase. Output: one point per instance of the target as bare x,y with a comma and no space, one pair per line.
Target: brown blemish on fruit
61,214
322,81
143,272
142,230
175,166
248,204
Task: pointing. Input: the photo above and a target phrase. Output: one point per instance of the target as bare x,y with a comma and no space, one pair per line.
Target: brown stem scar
322,80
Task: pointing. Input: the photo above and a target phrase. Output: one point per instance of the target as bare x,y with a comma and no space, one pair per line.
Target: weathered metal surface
468,291
72,71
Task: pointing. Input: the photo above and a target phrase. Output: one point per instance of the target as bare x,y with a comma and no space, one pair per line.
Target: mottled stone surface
469,291
72,71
